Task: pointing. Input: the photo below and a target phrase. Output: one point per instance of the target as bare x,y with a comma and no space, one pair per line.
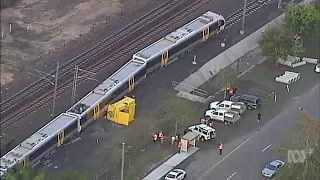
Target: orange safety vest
173,138
221,146
231,91
202,120
155,137
160,135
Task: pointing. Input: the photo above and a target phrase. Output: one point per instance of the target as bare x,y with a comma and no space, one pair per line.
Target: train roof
178,35
107,87
36,140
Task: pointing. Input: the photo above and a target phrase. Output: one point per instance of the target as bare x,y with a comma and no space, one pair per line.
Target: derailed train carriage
90,107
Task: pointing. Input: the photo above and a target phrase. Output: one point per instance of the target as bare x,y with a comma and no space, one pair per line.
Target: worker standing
177,139
259,117
155,137
220,148
173,140
202,120
211,123
179,147
161,137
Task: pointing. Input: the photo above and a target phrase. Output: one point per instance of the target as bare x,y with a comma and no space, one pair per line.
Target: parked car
251,101
223,115
270,170
176,174
205,132
238,107
317,68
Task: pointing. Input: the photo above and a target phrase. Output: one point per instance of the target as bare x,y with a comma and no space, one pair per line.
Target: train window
214,26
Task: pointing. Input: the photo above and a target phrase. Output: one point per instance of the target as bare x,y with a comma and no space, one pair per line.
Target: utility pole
86,74
243,16
44,75
122,161
55,89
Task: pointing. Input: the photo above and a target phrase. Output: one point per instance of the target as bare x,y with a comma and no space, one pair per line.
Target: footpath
204,74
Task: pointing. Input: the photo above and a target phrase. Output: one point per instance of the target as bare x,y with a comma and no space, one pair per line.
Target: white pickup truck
237,107
223,115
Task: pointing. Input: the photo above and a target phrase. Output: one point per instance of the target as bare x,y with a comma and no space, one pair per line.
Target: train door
23,163
131,84
205,34
96,112
164,58
60,138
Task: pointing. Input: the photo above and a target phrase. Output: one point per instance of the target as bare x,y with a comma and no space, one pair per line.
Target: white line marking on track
231,175
265,148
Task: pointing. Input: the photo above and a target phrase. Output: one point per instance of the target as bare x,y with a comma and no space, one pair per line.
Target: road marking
204,174
266,148
231,176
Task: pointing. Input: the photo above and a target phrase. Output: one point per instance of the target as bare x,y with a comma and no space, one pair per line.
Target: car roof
222,110
247,96
275,163
250,96
173,173
177,170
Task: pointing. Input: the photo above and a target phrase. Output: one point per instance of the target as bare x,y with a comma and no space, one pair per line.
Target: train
154,57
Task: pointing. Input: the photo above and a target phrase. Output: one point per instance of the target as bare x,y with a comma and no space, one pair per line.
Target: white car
317,68
176,174
270,170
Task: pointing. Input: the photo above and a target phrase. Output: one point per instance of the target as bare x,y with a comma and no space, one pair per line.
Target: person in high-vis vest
155,137
210,123
220,148
173,140
161,137
202,120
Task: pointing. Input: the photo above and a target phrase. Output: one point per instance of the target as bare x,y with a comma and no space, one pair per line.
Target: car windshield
171,176
271,167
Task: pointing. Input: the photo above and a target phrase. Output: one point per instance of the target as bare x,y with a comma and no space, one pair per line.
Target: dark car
251,101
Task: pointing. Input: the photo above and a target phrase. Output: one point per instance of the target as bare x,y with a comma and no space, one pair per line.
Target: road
248,159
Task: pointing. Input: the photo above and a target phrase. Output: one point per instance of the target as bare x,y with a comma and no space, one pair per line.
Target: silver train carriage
90,107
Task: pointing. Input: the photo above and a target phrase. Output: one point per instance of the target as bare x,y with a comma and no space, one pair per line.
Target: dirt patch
35,29
6,76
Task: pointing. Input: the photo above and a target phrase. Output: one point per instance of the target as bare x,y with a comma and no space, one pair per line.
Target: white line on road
266,148
204,174
231,176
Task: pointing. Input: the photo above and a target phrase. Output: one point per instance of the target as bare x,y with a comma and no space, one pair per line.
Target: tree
277,43
23,173
226,76
179,113
303,19
27,173
307,137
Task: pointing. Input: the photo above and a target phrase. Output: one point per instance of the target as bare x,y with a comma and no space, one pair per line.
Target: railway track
108,52
98,58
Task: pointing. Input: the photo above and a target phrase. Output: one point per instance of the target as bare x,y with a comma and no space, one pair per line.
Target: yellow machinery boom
123,111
